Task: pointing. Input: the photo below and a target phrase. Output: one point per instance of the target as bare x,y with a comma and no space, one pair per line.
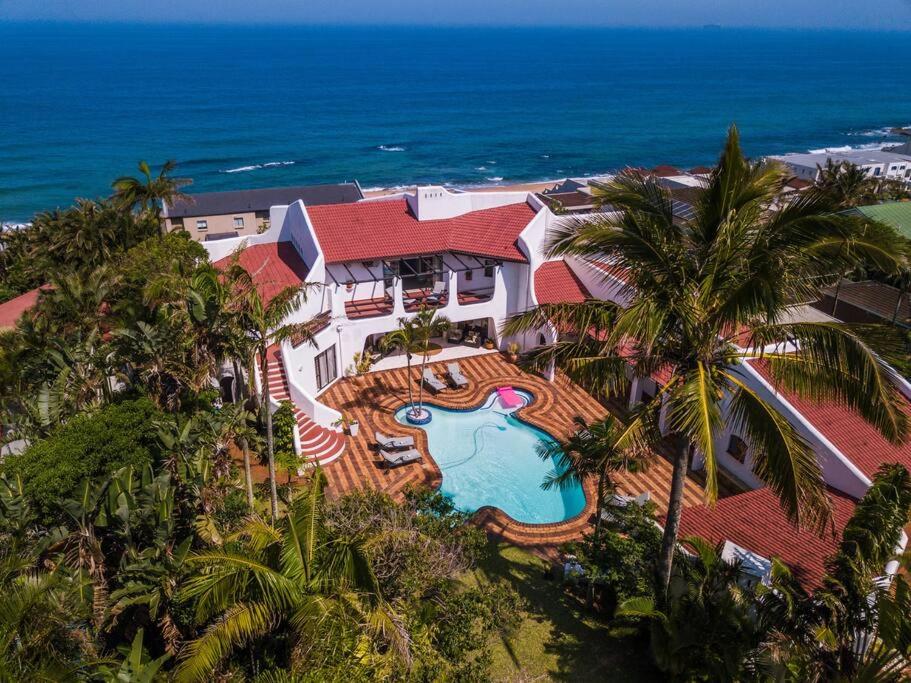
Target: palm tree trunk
672,522
599,506
835,302
273,487
244,445
421,388
410,383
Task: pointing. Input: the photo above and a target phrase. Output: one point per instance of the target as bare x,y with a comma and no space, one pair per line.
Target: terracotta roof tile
273,266
12,310
754,520
556,283
857,440
366,231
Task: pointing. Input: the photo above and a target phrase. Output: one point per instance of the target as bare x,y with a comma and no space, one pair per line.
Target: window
469,275
488,270
325,367
737,448
239,222
202,225
877,171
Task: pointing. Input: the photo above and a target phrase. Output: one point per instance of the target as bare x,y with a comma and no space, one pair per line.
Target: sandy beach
518,187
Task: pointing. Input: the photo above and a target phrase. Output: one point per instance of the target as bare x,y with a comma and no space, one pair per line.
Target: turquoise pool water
488,457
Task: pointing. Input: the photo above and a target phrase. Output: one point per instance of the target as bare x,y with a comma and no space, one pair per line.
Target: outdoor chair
432,382
393,458
456,378
391,443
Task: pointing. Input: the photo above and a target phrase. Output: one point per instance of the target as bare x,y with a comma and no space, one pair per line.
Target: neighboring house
223,215
877,163
15,308
866,301
570,196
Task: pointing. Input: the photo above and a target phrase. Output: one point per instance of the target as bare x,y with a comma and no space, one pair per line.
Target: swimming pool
488,457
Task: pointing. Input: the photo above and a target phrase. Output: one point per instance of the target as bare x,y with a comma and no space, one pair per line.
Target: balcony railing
414,299
475,296
369,308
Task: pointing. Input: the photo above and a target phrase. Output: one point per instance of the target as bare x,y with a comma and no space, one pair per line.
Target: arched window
541,340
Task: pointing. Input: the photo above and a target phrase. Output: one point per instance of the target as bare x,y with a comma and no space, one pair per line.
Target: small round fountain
418,416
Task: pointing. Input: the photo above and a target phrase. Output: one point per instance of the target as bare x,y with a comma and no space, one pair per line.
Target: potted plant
488,344
512,352
353,427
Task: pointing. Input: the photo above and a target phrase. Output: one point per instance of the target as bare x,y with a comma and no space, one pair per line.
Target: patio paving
372,399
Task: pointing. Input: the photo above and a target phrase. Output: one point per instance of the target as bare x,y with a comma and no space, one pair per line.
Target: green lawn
556,640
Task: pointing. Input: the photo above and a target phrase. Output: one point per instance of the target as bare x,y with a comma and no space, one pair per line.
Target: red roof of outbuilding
556,283
856,438
273,266
12,310
366,231
754,520
665,171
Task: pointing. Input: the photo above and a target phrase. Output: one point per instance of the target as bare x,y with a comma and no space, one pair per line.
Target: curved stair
319,445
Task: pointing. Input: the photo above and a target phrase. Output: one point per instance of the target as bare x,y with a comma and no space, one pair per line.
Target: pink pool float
508,397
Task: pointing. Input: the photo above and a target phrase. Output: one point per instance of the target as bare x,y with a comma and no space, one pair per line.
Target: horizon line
708,27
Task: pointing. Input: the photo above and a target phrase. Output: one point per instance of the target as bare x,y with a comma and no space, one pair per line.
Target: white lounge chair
391,443
432,381
454,372
393,458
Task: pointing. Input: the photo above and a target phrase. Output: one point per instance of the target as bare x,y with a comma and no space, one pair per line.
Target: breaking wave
391,148
850,148
256,167
495,179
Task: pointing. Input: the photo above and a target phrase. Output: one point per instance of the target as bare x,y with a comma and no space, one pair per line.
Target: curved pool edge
481,515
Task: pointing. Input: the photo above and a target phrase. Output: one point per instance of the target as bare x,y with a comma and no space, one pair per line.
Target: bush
283,421
89,446
621,558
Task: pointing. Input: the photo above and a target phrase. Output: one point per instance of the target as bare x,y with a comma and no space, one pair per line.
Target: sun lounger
393,458
432,382
390,443
454,372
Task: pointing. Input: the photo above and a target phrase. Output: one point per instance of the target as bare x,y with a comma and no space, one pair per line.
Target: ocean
256,106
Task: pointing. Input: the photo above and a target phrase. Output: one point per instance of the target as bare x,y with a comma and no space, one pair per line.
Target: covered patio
372,399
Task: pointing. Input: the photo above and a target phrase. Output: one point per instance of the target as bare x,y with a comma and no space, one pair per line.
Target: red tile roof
12,310
665,171
556,283
701,170
366,231
273,266
754,520
860,442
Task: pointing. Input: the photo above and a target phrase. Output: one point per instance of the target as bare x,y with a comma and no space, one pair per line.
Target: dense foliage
89,446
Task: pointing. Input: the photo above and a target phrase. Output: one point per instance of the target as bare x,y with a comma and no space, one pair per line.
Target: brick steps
319,445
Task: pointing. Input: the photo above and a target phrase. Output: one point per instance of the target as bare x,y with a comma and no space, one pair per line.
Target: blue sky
885,14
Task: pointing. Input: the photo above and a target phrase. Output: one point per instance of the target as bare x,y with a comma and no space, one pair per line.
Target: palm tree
854,624
148,192
693,287
263,323
292,578
594,451
846,184
413,336
704,630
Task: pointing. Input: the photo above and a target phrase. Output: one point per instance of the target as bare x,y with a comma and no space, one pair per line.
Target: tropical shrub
89,446
283,422
620,557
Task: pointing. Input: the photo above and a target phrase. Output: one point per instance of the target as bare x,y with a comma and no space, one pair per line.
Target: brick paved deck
373,399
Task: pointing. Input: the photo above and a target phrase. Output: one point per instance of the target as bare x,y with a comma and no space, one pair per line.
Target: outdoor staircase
319,444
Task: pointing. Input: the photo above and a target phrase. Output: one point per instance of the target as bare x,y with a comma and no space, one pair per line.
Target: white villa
472,255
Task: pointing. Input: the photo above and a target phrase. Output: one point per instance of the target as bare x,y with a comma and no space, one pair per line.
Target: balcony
414,299
475,296
369,308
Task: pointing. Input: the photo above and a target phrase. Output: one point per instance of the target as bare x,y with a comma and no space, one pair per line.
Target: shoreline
533,186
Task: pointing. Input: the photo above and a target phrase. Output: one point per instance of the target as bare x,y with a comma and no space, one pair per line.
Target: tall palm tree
594,451
412,337
846,184
696,285
292,578
149,192
263,322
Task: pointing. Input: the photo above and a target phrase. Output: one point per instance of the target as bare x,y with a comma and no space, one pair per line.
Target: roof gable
366,231
274,267
853,436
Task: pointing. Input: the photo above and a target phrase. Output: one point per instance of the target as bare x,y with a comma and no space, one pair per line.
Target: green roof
896,214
